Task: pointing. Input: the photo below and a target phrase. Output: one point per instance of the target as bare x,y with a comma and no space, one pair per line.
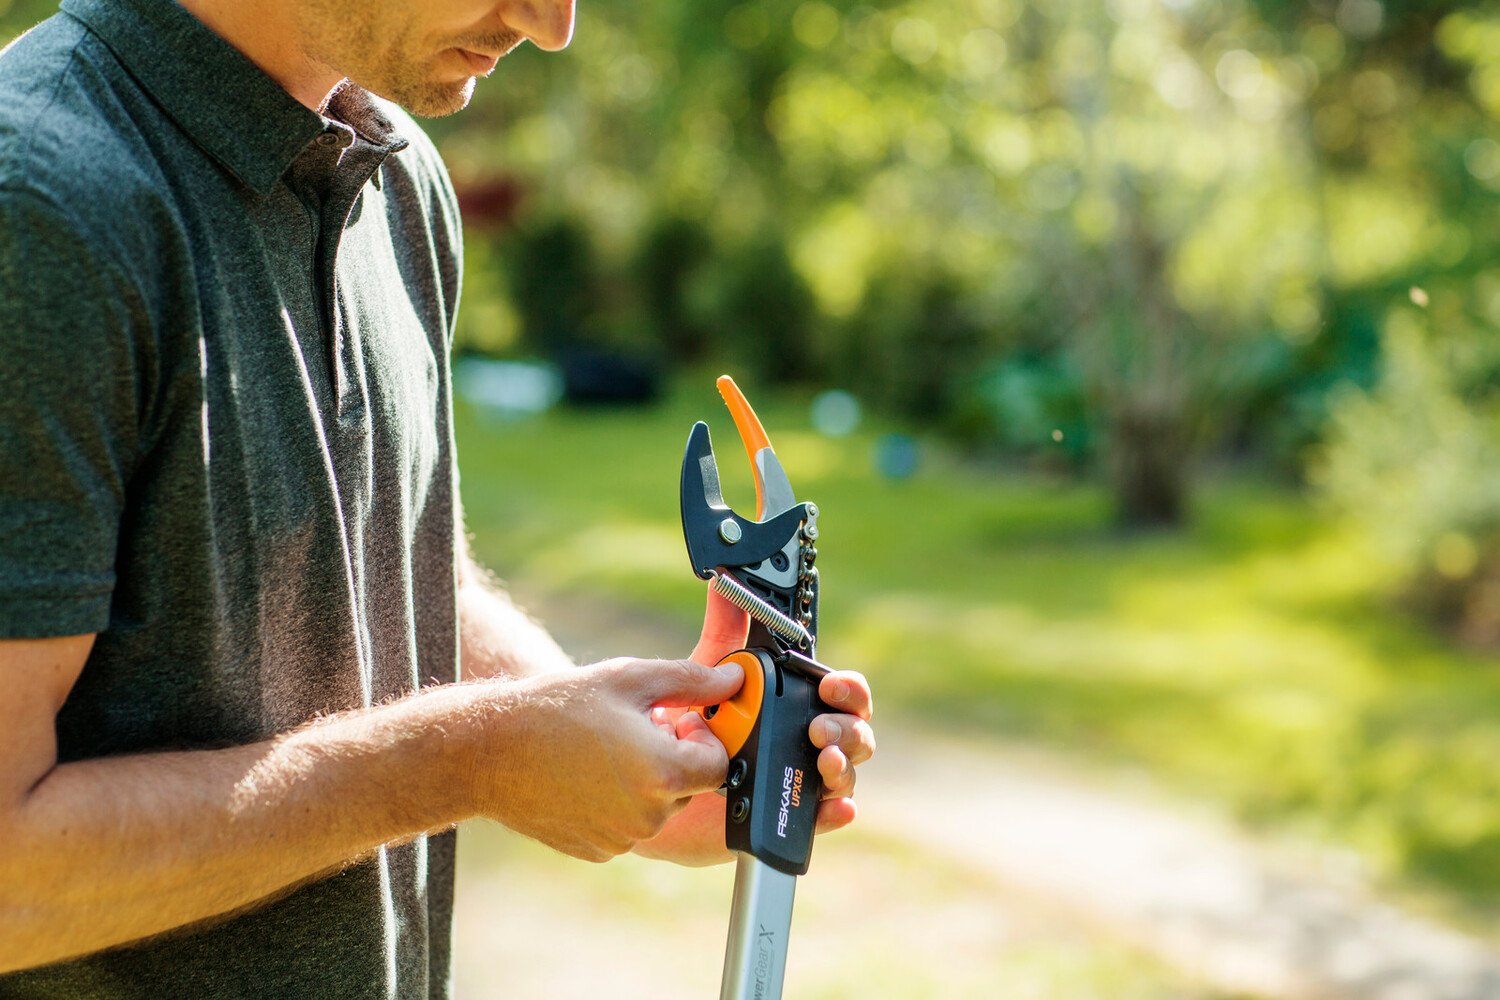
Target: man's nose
547,23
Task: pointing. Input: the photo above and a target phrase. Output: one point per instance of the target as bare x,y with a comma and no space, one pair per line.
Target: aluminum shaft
760,919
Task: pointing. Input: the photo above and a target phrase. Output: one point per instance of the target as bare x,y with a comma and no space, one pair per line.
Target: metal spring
751,603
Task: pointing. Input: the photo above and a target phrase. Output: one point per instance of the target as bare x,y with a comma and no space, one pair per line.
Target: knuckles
650,822
617,668
664,782
607,850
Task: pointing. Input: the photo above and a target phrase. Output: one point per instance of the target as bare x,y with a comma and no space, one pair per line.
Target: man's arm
498,639
106,851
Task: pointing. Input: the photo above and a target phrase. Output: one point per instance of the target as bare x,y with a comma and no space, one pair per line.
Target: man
234,592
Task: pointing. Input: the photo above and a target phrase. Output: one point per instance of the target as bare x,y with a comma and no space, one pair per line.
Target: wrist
473,740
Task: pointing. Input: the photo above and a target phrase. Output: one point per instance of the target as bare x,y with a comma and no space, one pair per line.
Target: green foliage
668,269
1034,404
687,293
760,310
1416,460
908,347
1195,211
18,15
555,284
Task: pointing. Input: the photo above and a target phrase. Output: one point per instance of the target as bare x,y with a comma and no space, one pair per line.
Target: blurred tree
1416,460
760,308
555,284
674,255
1187,220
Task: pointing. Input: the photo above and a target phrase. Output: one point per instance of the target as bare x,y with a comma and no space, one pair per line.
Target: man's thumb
725,628
683,683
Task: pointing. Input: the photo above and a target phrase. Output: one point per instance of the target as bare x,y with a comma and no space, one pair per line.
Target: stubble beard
401,71
407,77
426,98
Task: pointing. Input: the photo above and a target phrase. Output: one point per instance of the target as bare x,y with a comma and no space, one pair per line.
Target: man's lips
482,65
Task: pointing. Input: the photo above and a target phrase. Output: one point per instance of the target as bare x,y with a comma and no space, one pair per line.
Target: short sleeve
69,418
448,226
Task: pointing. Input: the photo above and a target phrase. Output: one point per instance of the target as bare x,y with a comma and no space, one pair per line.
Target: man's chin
434,100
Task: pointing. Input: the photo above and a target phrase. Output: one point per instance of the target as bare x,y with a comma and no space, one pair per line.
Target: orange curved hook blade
751,433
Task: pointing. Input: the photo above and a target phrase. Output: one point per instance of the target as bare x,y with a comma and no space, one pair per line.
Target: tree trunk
1147,466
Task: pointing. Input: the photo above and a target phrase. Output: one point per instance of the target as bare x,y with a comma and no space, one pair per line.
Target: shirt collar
223,101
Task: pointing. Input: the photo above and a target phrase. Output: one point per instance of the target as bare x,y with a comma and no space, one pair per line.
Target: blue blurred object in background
507,389
896,456
836,413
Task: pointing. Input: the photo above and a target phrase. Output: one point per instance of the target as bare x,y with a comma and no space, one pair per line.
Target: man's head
426,54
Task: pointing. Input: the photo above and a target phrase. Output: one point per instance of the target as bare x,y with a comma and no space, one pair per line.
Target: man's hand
695,834
846,740
582,767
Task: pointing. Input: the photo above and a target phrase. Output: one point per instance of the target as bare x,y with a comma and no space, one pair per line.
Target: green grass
1250,657
872,920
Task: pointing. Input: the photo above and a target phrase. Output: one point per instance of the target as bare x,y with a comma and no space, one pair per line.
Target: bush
1416,461
757,305
670,263
918,345
555,284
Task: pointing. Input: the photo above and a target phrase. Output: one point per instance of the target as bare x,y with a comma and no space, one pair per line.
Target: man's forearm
111,850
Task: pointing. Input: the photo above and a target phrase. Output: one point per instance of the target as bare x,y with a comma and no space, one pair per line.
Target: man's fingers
847,691
725,628
849,733
690,724
679,683
701,761
837,773
834,814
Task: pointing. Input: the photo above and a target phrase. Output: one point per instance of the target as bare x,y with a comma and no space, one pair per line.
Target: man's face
425,55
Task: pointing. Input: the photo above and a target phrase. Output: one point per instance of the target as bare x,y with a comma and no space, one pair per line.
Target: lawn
1250,657
872,920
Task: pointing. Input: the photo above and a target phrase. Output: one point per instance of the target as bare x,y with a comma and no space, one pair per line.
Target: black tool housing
774,786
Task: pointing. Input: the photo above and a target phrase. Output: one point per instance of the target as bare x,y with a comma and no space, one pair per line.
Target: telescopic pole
760,920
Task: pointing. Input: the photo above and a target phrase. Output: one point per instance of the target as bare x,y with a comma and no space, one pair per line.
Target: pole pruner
766,567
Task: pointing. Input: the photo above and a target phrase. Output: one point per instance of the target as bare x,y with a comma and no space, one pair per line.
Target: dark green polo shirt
225,447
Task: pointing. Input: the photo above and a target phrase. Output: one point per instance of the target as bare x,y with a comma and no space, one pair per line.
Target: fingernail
832,730
838,690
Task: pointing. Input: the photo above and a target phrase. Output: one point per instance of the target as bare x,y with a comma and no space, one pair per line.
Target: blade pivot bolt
729,530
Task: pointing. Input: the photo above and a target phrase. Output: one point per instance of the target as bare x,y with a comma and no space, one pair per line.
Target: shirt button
328,139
